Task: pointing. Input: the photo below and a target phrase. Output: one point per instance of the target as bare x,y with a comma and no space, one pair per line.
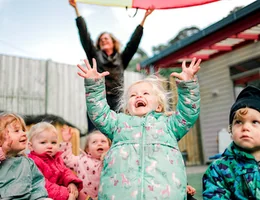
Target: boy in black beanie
236,175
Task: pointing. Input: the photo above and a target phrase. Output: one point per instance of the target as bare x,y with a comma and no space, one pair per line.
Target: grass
195,180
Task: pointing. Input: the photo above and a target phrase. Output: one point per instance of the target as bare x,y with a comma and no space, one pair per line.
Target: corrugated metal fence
32,87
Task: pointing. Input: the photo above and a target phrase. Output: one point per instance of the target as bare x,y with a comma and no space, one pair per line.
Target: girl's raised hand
188,72
66,134
89,72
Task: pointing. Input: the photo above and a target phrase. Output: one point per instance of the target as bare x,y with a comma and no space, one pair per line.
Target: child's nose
245,126
23,133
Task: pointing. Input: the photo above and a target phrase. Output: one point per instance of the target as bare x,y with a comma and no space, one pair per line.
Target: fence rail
36,87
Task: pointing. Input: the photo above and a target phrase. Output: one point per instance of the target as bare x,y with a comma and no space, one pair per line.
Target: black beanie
248,97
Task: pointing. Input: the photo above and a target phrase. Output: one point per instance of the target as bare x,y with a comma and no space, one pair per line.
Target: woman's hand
147,13
91,73
188,72
73,3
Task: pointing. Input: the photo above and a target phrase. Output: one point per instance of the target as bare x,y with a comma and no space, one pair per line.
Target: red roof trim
232,29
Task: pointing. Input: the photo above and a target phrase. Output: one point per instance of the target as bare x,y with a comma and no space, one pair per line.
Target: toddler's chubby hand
66,133
72,197
191,190
188,73
73,190
89,72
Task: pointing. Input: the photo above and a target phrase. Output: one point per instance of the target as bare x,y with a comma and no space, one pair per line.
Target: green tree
235,10
165,72
139,57
184,33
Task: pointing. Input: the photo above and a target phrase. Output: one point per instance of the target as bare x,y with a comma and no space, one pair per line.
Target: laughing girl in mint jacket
144,161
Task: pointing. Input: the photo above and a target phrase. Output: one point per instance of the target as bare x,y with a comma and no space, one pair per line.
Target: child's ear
159,108
29,145
231,136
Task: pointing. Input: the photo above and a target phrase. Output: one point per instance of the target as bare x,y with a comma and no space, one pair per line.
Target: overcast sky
46,29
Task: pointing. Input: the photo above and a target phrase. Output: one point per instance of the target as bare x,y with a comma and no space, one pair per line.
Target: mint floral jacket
144,161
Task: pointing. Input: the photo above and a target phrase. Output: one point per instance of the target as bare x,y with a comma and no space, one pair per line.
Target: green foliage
184,33
139,57
159,48
235,9
165,72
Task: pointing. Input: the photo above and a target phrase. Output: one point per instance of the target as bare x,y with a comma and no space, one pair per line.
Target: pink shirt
87,168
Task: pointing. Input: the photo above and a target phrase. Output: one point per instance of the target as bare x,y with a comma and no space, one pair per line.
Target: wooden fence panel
21,85
36,87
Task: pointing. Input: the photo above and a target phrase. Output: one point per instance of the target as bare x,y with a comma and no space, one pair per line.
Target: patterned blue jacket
233,176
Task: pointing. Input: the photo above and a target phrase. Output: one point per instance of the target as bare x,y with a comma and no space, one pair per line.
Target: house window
244,74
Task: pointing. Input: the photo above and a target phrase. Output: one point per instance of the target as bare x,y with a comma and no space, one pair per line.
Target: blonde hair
94,133
115,41
157,86
240,114
7,118
40,127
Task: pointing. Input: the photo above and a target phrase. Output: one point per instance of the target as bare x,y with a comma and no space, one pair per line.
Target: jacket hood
247,162
235,151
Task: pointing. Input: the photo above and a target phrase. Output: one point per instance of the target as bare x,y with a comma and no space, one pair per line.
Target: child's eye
43,142
237,122
94,142
54,142
256,122
132,95
146,93
103,141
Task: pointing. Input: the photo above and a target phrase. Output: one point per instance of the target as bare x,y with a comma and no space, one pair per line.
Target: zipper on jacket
143,151
248,191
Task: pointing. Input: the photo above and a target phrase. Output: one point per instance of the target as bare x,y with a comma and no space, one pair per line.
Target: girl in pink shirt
88,164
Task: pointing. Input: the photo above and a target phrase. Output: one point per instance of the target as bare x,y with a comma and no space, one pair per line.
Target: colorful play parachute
144,4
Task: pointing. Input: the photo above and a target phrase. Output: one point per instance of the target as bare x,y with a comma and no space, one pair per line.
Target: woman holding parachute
106,52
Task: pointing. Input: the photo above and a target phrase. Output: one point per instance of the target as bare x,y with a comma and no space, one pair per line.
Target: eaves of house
234,31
